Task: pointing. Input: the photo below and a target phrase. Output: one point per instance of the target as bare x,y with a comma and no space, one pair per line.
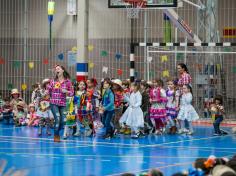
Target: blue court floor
21,148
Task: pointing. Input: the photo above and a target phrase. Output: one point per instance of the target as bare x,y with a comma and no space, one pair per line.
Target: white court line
124,161
25,156
38,156
189,140
110,156
55,157
141,162
88,159
132,145
106,160
72,158
47,142
14,142
9,128
26,148
74,141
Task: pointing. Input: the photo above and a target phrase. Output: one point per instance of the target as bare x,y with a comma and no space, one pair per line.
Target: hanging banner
71,58
71,7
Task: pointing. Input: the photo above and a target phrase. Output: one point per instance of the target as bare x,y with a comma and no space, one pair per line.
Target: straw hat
14,91
220,170
21,104
117,81
31,105
45,81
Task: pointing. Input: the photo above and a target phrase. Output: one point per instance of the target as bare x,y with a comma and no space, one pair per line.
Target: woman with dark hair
184,76
59,88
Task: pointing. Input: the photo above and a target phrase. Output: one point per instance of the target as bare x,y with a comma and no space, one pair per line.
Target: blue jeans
216,124
8,116
59,116
106,120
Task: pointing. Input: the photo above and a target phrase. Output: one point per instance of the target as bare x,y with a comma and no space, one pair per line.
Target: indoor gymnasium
118,87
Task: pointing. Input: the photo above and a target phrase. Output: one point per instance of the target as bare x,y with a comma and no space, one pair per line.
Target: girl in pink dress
158,105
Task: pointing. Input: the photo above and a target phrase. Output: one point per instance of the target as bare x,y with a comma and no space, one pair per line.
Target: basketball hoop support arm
195,5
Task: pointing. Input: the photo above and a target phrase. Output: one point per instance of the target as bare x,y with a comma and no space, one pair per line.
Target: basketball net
133,7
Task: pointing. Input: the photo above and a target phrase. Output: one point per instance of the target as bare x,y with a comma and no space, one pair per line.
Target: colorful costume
92,106
70,116
171,109
44,112
83,118
158,107
118,109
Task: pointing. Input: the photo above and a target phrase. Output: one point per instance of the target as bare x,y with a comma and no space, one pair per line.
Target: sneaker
88,132
158,132
216,134
135,136
56,138
77,134
181,131
64,137
190,133
107,136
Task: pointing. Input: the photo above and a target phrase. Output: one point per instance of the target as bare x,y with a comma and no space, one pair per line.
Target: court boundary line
113,143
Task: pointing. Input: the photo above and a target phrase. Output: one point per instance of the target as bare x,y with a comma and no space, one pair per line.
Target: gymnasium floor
21,148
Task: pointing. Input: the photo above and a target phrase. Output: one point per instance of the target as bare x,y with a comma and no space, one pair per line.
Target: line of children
117,107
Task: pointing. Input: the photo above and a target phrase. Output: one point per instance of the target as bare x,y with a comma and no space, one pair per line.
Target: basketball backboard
150,3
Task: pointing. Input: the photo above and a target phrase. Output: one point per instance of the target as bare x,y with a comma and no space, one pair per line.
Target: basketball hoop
133,7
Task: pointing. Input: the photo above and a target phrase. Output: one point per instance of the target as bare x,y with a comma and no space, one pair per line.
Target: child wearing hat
44,112
15,99
20,114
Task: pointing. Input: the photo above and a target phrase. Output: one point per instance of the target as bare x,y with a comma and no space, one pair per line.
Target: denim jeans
106,120
59,116
216,124
8,116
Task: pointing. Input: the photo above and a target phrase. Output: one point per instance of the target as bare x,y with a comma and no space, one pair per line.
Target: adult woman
59,88
184,76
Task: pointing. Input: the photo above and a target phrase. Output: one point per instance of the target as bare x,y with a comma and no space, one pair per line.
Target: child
35,93
81,107
126,91
33,119
7,111
187,111
108,107
144,87
44,112
158,102
172,105
118,92
15,95
20,114
1,105
70,117
92,105
125,86
217,114
133,116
